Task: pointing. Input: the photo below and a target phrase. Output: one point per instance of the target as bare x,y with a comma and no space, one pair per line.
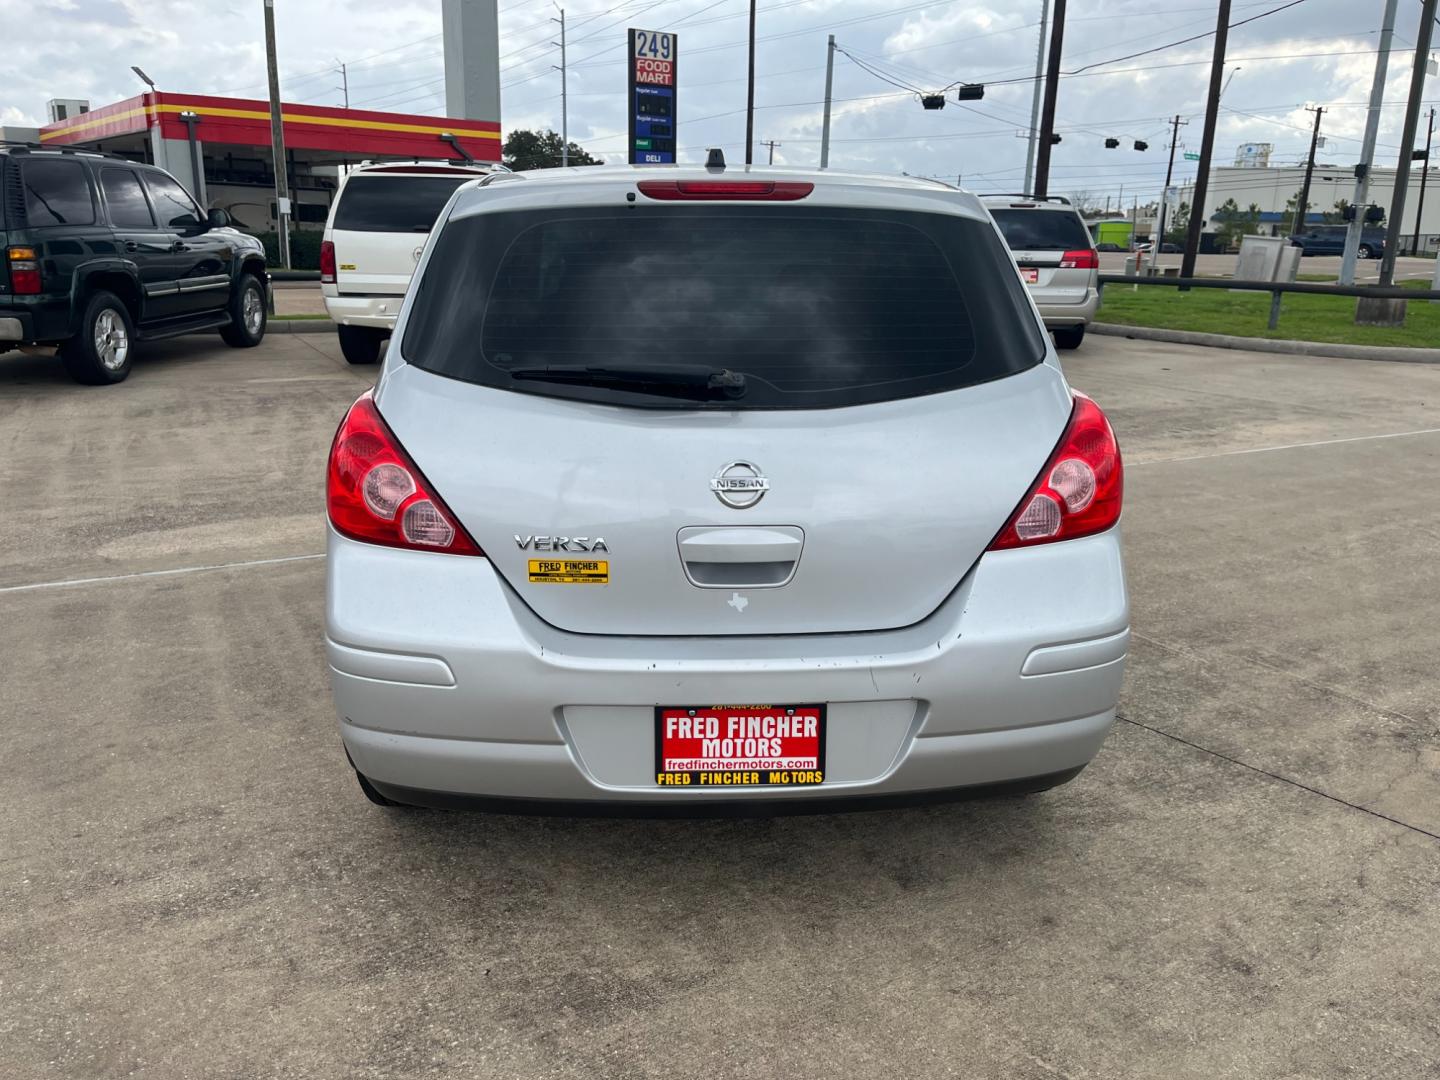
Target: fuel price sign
652,97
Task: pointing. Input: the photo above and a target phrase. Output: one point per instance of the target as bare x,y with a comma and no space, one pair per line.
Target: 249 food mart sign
653,60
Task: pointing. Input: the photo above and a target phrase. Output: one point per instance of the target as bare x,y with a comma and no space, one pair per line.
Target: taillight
1080,489
1081,259
24,271
376,494
742,190
327,262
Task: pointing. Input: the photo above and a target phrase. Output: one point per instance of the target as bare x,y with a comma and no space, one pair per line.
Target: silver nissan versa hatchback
691,490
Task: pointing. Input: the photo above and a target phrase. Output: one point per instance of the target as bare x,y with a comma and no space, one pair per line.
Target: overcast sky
1314,52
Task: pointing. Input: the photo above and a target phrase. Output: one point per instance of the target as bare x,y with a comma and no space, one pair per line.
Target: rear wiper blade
683,379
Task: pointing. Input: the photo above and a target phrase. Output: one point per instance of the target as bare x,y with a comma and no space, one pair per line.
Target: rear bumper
378,312
446,683
1070,314
12,329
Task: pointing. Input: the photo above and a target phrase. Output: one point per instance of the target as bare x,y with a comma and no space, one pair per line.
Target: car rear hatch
379,228
564,394
1053,250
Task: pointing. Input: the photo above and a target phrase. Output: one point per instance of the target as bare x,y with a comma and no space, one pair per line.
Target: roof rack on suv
24,146
1061,199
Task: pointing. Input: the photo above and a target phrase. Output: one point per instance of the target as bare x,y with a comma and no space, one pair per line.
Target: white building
1271,187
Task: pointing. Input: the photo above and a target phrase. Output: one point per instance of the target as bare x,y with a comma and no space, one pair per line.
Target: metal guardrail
1276,289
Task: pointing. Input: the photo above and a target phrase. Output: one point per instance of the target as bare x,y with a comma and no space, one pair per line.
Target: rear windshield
394,203
813,307
1041,230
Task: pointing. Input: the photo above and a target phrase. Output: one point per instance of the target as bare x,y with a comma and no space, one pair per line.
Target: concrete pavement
1243,885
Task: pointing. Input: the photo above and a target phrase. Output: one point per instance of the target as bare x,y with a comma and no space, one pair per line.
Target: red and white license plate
1030,275
739,745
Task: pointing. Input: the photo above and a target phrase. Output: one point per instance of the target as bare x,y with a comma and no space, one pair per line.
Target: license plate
703,746
1030,275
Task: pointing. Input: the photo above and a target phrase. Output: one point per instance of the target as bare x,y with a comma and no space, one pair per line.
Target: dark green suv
101,252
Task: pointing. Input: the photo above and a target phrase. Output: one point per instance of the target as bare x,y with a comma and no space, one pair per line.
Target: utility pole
344,86
1035,99
1159,239
1298,224
564,93
277,141
1423,37
750,95
771,143
1207,142
1361,199
1052,87
829,86
1424,176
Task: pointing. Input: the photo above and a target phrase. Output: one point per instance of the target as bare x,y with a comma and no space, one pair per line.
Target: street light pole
564,95
1361,199
1035,96
829,85
1298,224
1207,143
1052,87
1423,37
750,95
277,141
1158,242
1424,176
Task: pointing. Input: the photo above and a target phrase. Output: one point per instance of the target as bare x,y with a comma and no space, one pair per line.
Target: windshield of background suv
813,307
1041,230
394,203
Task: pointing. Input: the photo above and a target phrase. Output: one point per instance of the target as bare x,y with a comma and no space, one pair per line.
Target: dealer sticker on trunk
570,571
740,746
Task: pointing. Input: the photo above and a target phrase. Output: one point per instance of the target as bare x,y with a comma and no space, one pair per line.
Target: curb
299,326
1392,353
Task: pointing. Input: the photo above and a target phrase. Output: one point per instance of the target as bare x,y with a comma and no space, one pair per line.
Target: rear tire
247,314
1069,337
101,350
361,344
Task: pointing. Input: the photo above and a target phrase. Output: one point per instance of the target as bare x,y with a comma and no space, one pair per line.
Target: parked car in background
1052,249
646,440
102,252
373,239
1330,240
1107,246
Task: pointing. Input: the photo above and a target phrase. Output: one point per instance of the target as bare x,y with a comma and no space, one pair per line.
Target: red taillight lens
327,262
1080,489
1083,259
376,494
24,271
743,190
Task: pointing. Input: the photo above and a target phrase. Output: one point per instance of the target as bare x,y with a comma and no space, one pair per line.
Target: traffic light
1112,144
970,92
1054,137
1348,214
933,101
1374,215
1140,144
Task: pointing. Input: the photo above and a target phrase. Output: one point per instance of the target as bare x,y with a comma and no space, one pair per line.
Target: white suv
373,239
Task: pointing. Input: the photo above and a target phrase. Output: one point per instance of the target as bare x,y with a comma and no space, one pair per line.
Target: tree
1296,217
1178,225
540,150
1337,215
1234,223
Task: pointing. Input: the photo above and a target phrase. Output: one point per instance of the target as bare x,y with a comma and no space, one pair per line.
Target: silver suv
1057,260
688,488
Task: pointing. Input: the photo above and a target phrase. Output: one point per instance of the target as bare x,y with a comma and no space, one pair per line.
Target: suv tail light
375,493
1082,259
327,262
1080,489
24,271
742,190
